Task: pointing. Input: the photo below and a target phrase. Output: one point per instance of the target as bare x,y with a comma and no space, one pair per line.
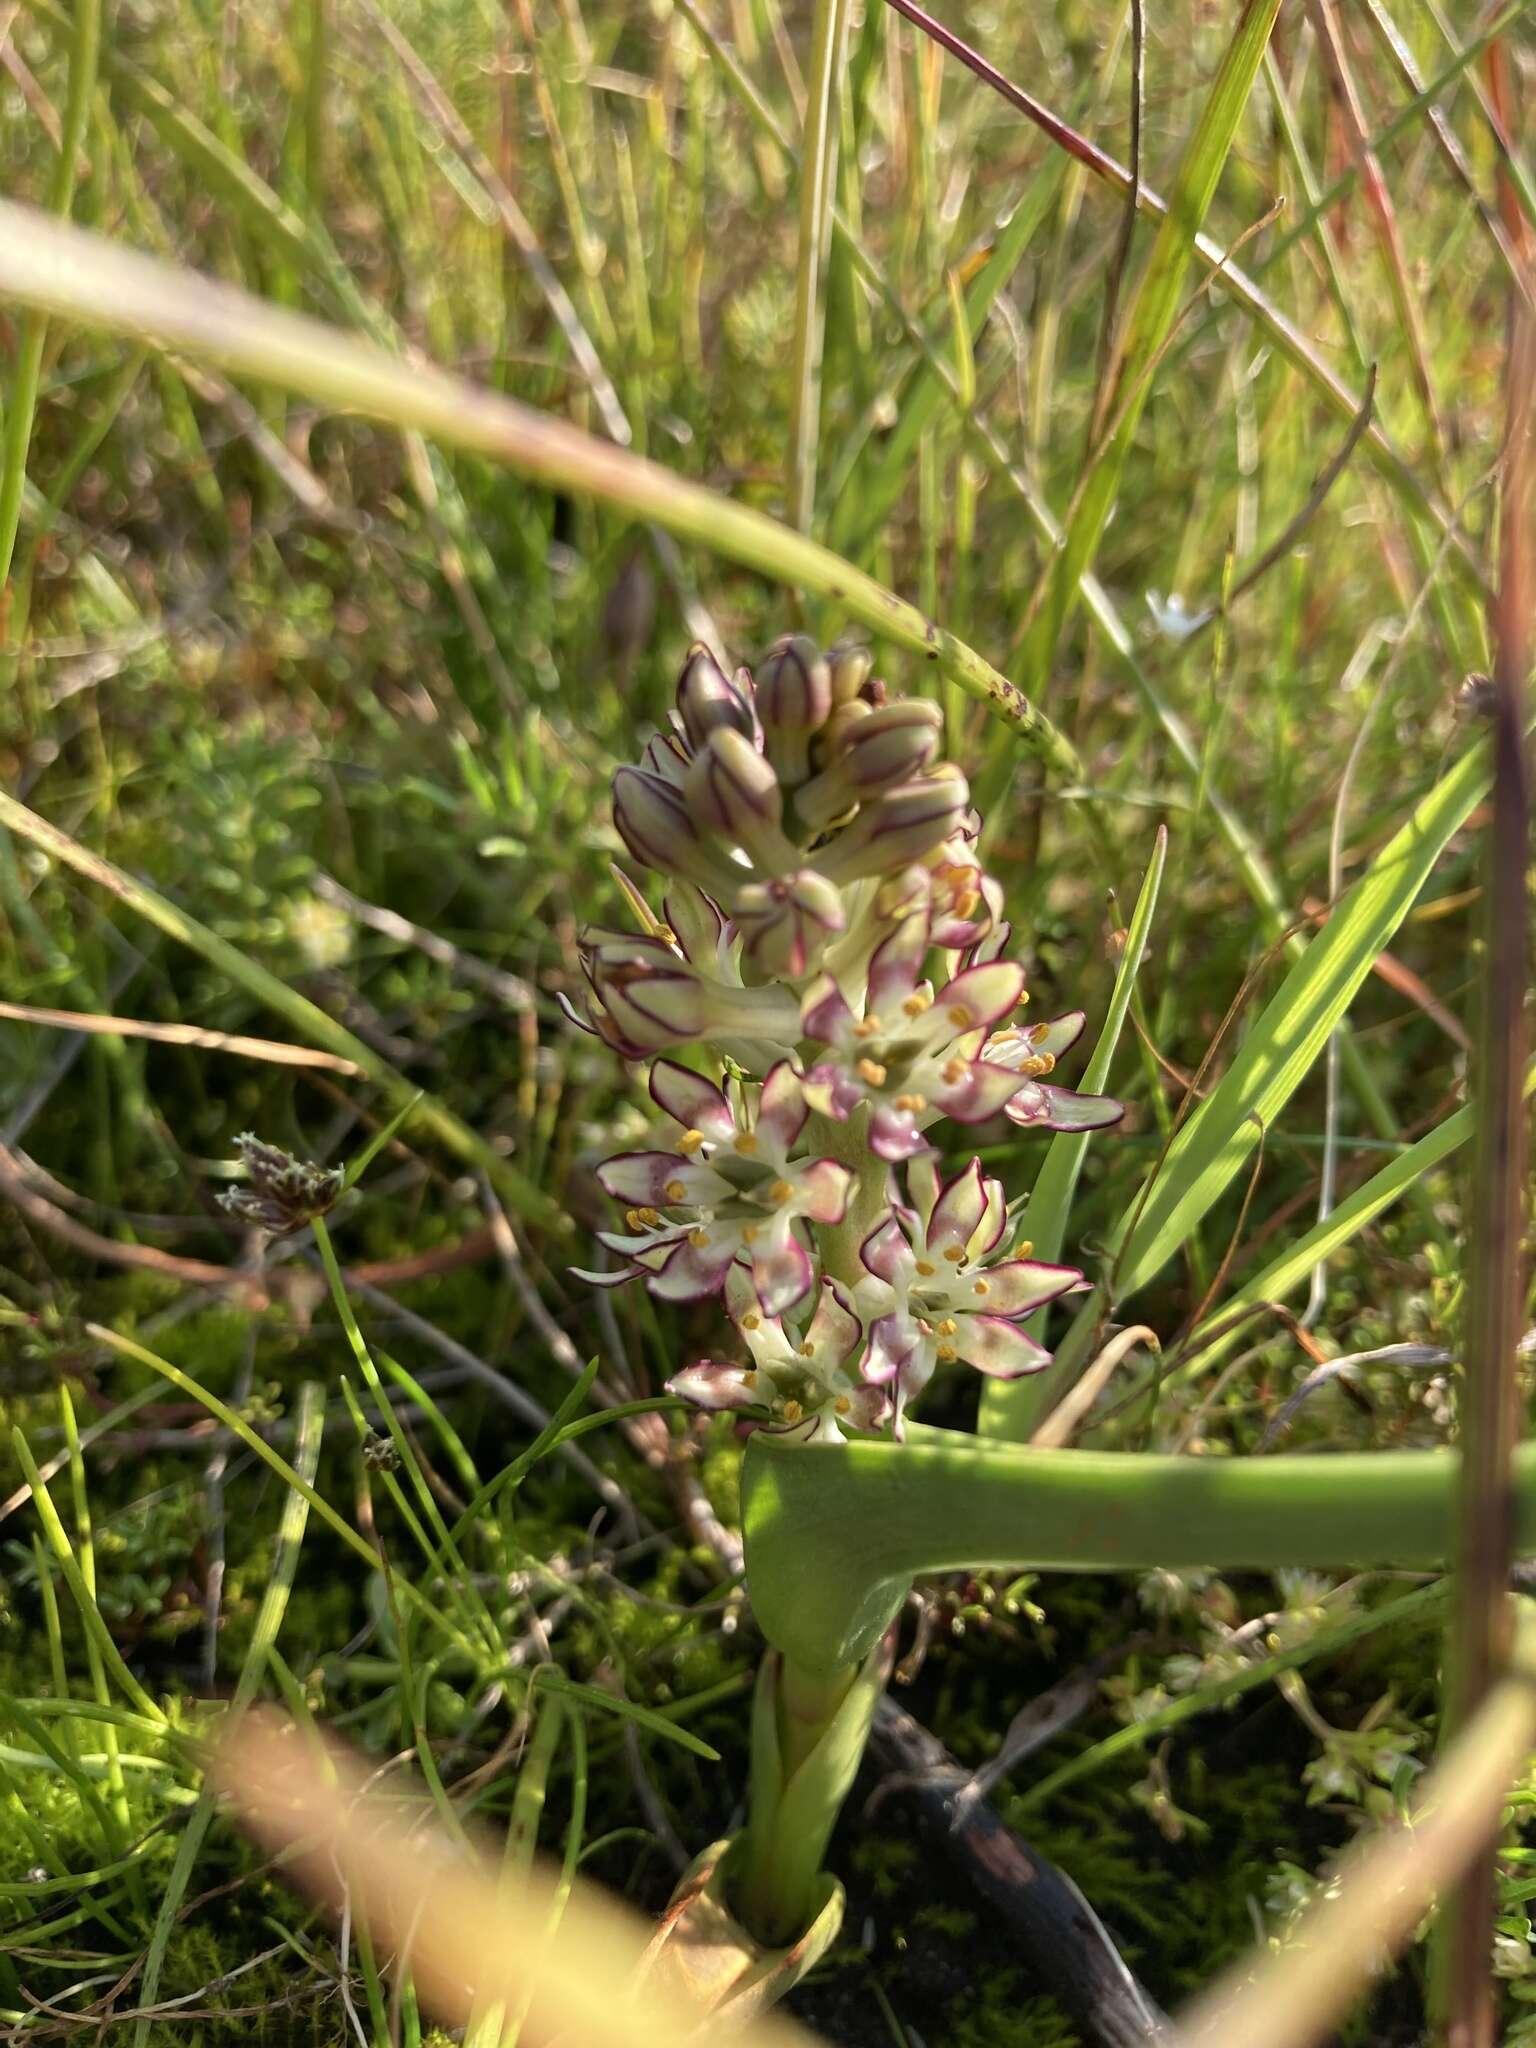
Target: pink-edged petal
694,1272
660,1180
981,995
781,1111
959,1212
1062,1109
824,1013
1016,1286
614,1277
708,1383
896,965
867,1408
821,1190
924,1185
781,1271
886,1253
647,1248
835,1330
572,1015
893,1340
993,1223
998,1348
981,1091
1058,1035
693,1102
831,1091
893,1136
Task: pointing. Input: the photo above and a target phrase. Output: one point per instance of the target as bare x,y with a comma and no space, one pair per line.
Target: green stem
938,1502
818,173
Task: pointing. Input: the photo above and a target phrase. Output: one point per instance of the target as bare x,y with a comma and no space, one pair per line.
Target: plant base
701,1949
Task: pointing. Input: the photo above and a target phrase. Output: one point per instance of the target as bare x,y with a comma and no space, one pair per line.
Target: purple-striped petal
924,1185
821,1190
824,1013
981,995
892,1341
693,1272
885,1252
895,966
782,1111
709,1383
998,1348
835,1330
781,1271
692,1101
1062,1109
959,1212
1016,1286
619,1277
660,1180
981,1091
893,1136
831,1091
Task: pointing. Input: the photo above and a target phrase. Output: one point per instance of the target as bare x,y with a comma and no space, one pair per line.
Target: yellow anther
1023,998
917,1002
751,1320
691,1142
914,1104
749,1233
780,1191
926,1269
872,1072
1037,1032
948,1327
792,1411
675,1191
947,1354
954,1071
981,1287
642,1219
745,1142
1037,1063
749,1378
807,1349
871,1027
962,1016
842,1404
955,1254
699,1239
1025,1249
966,902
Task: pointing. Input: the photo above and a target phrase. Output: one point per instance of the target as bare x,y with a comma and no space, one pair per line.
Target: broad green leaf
1149,320
1010,1409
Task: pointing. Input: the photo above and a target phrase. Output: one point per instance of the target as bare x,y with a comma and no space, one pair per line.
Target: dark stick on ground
1059,1935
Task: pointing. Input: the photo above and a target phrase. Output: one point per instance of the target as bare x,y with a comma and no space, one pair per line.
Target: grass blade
86,278
1149,321
818,179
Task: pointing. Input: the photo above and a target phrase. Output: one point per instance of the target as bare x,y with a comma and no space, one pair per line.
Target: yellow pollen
792,1411
872,1072
916,1104
842,1404
699,1239
667,936
642,1219
749,1233
871,1027
749,1378
955,1254
674,1191
691,1142
1024,1250
917,1002
966,902
926,1269
807,1349
954,1071
982,1287
1037,1032
1023,998
962,1017
948,1327
745,1142
780,1191
751,1320
947,1354
1037,1063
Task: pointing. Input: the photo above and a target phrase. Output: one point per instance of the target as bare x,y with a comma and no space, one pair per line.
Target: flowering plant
817,858
831,952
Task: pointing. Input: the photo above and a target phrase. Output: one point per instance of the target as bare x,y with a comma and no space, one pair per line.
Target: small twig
1046,1716
510,989
1058,1934
1415,1355
1074,1405
1127,230
270,1049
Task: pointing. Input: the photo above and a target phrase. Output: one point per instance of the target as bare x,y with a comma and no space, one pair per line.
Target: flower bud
284,1193
897,827
849,668
647,998
653,821
871,753
707,698
794,696
732,791
787,925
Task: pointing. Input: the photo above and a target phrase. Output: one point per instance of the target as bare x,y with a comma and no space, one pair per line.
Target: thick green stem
886,1512
809,1728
